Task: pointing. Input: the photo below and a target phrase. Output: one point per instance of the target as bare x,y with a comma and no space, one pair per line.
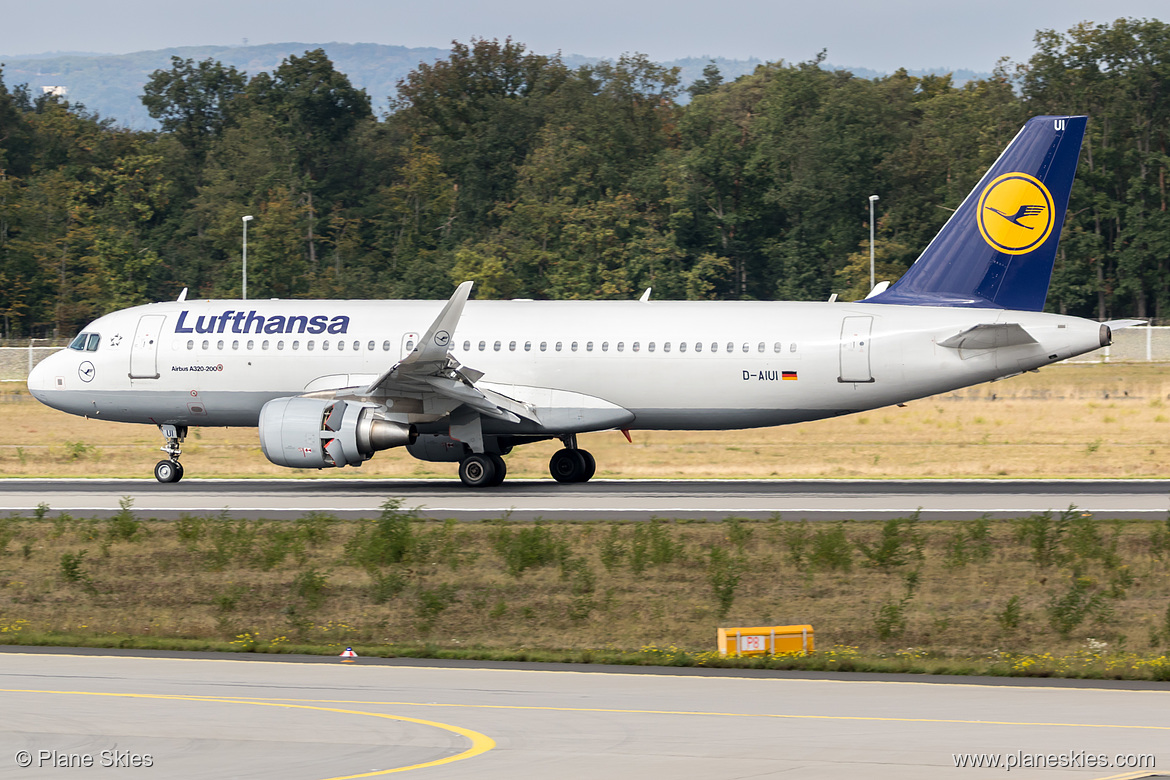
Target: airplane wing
431,369
991,336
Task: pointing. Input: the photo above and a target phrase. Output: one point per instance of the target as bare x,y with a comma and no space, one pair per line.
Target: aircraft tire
568,466
165,471
477,471
501,470
178,471
590,465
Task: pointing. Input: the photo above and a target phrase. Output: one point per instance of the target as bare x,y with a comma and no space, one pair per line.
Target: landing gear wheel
501,470
168,471
569,466
590,465
477,471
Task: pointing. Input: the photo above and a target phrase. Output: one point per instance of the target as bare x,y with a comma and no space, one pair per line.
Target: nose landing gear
171,470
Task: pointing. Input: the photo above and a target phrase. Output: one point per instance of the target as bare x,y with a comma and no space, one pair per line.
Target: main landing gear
487,469
572,464
171,470
483,469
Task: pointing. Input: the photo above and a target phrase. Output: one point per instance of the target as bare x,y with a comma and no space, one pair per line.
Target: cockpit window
94,338
79,342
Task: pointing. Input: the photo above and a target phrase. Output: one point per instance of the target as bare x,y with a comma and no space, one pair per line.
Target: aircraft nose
39,379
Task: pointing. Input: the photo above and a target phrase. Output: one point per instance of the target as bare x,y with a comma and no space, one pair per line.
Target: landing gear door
409,342
855,337
144,350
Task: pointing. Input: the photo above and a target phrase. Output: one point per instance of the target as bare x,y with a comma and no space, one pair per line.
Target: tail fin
997,249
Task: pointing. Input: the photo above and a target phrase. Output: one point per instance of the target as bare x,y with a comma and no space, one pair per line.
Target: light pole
248,219
872,198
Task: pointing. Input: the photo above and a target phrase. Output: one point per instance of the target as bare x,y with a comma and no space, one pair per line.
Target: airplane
328,383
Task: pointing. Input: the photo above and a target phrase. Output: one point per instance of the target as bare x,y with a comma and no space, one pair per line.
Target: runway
196,718
600,499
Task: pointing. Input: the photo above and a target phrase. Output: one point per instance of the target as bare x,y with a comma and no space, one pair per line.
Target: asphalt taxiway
222,717
599,499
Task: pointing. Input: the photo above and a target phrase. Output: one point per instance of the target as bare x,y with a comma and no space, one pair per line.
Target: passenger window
573,346
634,347
467,346
621,346
527,346
309,345
371,347
235,345
543,346
219,346
280,344
497,346
760,348
341,345
190,344
482,346
698,346
93,342
650,347
558,348
296,345
357,346
666,347
79,342
206,345
730,346
746,347
264,344
682,346
605,346
511,346
714,346
589,346
251,344
776,347
385,346
325,345
792,347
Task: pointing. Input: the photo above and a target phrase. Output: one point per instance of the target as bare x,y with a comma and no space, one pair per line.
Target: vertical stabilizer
998,248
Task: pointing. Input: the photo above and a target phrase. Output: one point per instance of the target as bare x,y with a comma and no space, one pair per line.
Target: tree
194,102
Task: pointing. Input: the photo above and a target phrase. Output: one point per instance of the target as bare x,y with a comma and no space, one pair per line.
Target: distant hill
111,84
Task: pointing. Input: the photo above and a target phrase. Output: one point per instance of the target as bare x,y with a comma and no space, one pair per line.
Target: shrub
831,549
124,526
899,543
72,567
528,548
1068,610
723,572
1009,617
311,585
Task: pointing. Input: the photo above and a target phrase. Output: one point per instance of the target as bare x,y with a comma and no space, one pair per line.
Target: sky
879,34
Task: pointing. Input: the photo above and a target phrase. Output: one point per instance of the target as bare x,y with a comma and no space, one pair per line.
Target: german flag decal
789,375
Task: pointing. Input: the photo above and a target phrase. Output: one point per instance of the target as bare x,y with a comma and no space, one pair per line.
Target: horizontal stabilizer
1003,334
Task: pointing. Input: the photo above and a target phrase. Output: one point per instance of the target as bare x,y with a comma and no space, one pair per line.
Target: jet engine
316,433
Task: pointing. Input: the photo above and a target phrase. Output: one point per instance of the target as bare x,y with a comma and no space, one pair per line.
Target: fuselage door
409,342
855,336
144,350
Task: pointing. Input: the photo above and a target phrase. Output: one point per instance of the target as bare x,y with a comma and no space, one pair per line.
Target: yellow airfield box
764,640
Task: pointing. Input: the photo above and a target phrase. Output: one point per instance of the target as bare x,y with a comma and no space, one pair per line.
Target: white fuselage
672,365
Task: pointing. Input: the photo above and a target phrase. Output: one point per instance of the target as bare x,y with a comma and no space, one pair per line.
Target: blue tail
997,250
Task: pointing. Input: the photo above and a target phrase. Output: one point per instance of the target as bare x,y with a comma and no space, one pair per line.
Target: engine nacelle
317,433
